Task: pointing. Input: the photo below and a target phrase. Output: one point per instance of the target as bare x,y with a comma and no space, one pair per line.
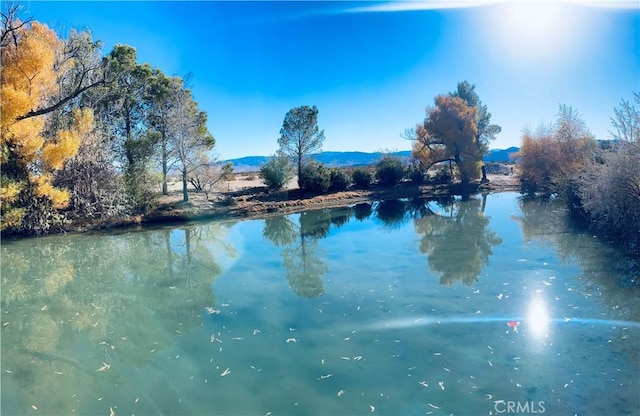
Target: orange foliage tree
29,156
449,133
550,156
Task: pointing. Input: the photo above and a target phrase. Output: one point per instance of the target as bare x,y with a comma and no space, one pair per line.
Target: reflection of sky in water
373,329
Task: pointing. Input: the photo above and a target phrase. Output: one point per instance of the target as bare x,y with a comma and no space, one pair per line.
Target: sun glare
532,30
538,318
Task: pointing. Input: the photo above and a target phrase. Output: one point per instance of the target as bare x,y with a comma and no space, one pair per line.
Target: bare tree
627,120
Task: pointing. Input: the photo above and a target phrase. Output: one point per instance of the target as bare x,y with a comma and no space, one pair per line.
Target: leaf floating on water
373,408
104,367
340,393
225,372
292,340
433,406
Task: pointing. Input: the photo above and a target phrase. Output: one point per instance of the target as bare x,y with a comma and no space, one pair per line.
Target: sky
372,68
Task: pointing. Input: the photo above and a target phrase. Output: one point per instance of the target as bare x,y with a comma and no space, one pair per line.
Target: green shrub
443,176
340,181
316,178
361,178
416,174
389,171
276,172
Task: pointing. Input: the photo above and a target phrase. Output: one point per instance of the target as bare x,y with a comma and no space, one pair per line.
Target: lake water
407,307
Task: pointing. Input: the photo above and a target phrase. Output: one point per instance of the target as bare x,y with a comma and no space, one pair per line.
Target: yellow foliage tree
29,157
449,133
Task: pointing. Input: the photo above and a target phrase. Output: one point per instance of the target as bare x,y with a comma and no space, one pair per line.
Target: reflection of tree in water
117,296
362,211
458,245
606,272
301,254
392,213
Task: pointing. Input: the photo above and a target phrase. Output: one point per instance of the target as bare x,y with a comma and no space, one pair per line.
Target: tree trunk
185,194
165,190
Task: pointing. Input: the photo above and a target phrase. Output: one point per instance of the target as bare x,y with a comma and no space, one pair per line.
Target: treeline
457,130
600,183
84,135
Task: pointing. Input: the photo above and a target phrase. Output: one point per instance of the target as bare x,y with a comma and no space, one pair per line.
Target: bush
276,172
389,171
361,178
316,178
340,181
443,176
416,174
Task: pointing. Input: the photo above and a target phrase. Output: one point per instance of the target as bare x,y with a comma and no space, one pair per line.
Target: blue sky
371,68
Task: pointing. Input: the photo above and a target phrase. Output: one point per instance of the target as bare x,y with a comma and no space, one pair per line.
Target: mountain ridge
354,158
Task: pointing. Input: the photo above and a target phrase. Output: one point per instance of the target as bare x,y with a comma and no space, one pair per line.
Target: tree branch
45,110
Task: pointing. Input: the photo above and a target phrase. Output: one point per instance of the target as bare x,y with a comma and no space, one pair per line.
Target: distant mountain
331,159
353,159
500,155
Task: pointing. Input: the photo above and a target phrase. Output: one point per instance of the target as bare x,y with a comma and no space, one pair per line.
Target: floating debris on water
225,372
513,325
104,367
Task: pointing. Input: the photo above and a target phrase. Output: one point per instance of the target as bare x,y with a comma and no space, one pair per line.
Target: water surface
396,307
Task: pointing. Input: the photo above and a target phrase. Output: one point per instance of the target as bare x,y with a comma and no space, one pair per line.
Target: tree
449,133
486,131
277,172
209,174
36,67
300,136
627,120
552,155
189,135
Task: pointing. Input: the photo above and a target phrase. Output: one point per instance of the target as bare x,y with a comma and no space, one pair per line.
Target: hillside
353,159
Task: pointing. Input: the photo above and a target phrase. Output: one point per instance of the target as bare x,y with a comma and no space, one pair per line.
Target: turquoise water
486,306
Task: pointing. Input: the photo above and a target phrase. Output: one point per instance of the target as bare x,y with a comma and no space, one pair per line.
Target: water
486,306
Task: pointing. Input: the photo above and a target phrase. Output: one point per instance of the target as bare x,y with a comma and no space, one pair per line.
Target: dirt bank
246,197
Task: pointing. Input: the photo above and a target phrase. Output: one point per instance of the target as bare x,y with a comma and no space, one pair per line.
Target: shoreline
254,202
